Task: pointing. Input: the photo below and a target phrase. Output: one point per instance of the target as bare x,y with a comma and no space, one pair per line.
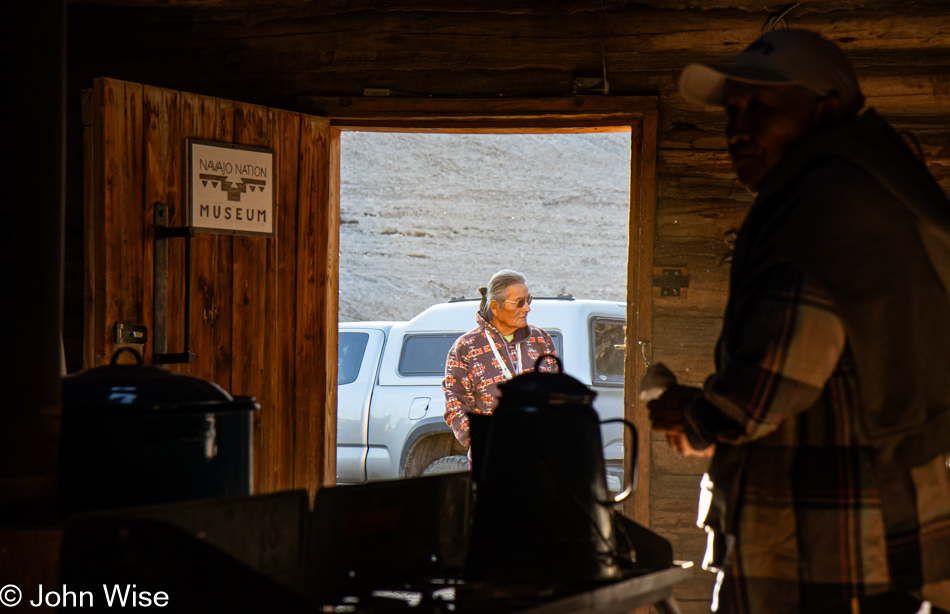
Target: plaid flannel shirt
816,521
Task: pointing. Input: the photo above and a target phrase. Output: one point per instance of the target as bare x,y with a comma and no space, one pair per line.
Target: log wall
282,52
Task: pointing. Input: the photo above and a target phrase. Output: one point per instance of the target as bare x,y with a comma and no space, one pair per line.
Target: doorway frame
634,114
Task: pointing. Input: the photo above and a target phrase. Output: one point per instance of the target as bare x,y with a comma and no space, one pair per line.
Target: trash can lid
138,386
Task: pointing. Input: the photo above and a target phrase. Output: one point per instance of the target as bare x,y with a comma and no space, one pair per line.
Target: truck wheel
447,464
427,450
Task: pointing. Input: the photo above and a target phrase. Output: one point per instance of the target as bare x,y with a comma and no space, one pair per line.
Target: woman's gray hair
497,290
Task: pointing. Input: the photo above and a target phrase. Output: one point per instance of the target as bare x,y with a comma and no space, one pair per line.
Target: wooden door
263,311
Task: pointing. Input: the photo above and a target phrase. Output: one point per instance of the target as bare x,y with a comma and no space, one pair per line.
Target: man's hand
667,416
680,443
666,411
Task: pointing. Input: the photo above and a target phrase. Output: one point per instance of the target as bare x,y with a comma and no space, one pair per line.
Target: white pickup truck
390,402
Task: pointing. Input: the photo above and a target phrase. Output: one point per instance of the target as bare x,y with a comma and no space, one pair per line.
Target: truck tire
447,464
427,450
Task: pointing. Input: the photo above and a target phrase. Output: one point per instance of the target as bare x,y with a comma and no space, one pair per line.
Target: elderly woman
502,346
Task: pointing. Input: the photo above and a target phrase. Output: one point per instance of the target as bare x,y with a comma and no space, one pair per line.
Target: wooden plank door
262,309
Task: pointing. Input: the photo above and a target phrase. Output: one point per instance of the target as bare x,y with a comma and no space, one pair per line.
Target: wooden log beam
225,59
805,6
337,7
274,8
706,35
922,90
916,93
250,12
588,107
685,342
711,219
715,163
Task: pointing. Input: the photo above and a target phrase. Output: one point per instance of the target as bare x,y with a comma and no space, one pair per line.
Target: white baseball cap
780,57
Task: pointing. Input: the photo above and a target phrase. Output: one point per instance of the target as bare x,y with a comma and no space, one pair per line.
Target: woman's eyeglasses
521,301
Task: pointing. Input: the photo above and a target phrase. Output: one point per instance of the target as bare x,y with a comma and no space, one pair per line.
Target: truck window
607,348
556,338
425,354
352,346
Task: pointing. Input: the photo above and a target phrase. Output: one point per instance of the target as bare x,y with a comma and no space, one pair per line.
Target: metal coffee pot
542,508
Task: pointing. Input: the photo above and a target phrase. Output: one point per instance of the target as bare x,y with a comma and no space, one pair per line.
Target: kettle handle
560,365
139,361
632,478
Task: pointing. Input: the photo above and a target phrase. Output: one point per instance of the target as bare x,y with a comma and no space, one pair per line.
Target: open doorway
425,219
636,115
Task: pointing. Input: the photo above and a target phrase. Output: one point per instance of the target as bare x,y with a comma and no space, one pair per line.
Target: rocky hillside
425,217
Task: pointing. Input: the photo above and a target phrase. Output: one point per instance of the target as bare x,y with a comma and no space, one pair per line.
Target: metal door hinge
672,281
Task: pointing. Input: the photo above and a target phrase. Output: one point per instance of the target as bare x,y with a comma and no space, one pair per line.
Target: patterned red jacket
472,373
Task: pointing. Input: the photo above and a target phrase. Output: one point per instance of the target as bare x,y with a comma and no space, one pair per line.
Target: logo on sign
234,190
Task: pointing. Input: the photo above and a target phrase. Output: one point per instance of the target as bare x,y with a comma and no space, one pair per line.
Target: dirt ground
428,217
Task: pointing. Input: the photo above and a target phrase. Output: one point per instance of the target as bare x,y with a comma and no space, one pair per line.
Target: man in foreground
828,416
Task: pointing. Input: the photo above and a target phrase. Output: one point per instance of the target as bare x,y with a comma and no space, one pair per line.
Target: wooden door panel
315,377
259,306
281,306
120,219
163,163
219,320
198,120
640,305
250,288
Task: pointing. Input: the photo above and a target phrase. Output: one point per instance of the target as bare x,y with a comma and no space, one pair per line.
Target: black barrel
135,434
